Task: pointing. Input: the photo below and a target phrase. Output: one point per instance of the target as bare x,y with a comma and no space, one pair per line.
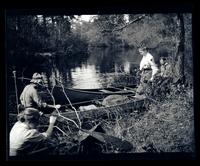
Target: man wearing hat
31,98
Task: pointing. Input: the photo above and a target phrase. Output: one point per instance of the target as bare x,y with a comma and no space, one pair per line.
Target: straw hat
36,78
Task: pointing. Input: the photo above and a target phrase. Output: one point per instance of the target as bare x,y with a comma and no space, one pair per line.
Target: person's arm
153,65
21,98
40,103
144,64
151,60
52,121
53,106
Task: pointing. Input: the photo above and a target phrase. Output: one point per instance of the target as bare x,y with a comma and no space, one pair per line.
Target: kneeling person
24,136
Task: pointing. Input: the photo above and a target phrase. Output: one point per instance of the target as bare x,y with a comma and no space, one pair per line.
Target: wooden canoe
80,95
135,104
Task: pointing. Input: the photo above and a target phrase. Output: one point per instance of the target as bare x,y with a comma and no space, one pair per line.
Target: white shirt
148,62
21,137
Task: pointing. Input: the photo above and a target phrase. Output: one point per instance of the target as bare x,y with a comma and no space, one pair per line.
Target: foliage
167,126
30,34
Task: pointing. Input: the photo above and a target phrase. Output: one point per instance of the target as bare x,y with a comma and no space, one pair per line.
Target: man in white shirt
149,69
147,62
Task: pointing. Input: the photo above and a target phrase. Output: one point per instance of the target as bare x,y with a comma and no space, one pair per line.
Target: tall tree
179,57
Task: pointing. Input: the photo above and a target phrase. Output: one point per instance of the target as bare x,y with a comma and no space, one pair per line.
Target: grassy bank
167,126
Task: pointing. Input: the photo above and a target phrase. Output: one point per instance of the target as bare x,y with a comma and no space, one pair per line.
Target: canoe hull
80,95
137,104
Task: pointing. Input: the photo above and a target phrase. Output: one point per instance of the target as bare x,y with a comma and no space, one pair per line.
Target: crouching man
24,135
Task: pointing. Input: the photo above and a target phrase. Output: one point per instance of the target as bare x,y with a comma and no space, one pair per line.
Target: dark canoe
133,105
80,95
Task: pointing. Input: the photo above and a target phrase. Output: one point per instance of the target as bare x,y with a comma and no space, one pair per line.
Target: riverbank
167,126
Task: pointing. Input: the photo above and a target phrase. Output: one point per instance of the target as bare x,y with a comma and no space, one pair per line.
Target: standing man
31,98
148,67
148,63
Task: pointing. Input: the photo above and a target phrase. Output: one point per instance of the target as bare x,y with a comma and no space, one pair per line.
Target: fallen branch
61,130
59,111
70,103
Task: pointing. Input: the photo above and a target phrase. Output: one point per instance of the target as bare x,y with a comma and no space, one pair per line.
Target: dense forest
168,124
164,34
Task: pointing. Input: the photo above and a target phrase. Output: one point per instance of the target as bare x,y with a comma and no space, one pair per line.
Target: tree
179,57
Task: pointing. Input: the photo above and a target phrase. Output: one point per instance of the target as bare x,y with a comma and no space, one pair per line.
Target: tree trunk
45,30
179,57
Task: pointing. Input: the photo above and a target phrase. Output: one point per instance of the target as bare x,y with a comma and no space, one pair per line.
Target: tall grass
167,126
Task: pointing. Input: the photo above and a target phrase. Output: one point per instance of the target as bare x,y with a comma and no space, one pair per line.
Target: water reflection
95,72
86,76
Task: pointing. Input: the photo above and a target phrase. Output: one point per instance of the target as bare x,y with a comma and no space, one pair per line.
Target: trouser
145,77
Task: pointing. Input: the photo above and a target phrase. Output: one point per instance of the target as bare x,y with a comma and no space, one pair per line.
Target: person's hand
52,119
152,78
44,105
57,106
41,113
145,66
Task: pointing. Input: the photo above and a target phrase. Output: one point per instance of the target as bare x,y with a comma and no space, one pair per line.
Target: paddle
124,88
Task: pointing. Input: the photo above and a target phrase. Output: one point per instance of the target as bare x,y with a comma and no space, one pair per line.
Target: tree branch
70,102
122,27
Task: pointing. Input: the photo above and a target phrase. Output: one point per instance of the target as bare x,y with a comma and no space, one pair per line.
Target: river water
95,70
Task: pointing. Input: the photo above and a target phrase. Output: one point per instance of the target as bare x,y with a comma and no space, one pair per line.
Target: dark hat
36,78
